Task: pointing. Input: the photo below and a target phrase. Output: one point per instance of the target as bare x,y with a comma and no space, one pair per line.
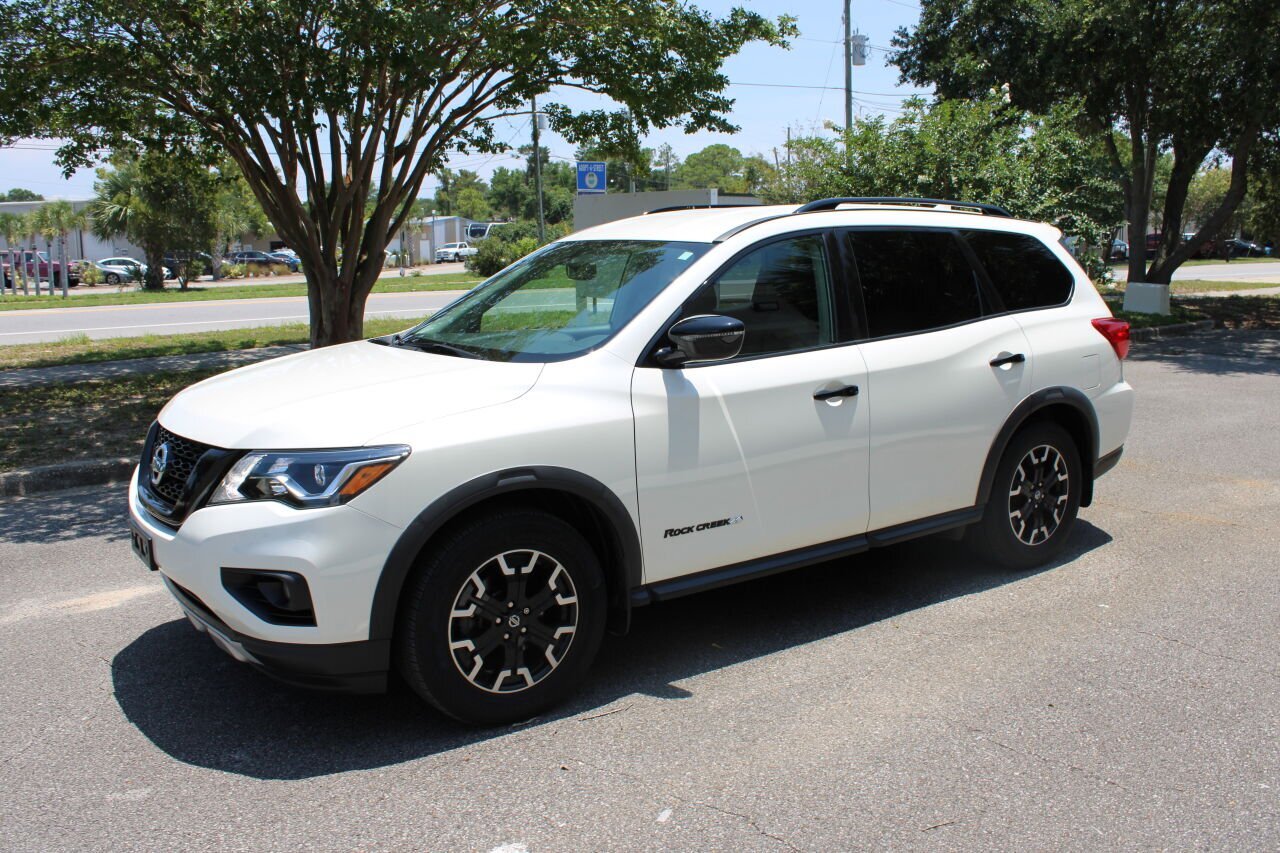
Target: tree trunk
154,279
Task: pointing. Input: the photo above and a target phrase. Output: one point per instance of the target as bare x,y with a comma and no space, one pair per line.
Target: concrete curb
65,475
1155,333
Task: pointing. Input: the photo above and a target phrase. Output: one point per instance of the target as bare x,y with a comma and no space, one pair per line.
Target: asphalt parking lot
1126,697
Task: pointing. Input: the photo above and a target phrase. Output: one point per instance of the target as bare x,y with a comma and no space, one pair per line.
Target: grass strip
82,349
392,284
1201,285
103,419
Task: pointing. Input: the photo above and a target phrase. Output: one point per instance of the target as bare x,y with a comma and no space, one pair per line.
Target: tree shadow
1240,352
96,511
202,708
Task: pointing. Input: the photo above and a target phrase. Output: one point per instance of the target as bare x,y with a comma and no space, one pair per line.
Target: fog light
281,598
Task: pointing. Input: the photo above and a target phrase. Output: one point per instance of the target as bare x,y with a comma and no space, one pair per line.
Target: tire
113,278
520,674
1026,522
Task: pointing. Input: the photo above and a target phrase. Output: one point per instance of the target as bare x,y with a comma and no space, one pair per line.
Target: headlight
308,478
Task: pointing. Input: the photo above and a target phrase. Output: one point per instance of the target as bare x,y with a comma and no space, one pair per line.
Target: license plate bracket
142,546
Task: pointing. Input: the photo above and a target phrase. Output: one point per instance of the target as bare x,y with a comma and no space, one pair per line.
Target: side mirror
707,337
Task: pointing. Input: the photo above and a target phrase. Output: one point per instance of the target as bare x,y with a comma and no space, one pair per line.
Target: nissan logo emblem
159,462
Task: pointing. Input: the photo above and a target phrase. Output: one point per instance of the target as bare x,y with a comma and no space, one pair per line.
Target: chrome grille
183,456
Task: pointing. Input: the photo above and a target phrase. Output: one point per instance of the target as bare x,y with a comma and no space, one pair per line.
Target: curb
1158,332
65,475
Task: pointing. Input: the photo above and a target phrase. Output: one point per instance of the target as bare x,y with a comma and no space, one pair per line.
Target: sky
794,95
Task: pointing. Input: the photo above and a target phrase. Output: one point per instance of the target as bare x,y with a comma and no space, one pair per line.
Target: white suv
646,409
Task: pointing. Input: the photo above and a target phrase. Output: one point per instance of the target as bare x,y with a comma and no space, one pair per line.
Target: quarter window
781,292
1023,271
913,281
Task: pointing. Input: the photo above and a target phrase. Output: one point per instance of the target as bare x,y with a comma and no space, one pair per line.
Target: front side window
781,292
913,281
561,301
1022,269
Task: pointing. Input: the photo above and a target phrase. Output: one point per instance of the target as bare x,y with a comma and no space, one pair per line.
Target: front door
737,460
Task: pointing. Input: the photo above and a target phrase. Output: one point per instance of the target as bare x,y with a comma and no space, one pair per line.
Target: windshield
559,302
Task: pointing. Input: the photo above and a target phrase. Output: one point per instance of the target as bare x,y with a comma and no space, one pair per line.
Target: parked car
37,264
174,261
649,408
450,252
1119,250
289,259
260,260
124,269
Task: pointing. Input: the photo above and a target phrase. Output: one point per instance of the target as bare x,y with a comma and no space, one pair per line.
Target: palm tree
42,223
117,206
63,218
11,229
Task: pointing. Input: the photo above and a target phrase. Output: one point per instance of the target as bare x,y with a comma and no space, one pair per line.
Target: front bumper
340,551
359,667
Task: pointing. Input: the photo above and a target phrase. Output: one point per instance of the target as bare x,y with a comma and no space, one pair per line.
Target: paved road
166,318
1123,699
1263,271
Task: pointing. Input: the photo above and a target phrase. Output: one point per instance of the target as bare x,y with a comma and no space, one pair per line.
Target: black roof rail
833,203
695,207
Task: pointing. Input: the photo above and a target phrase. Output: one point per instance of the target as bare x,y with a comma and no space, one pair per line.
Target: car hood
340,396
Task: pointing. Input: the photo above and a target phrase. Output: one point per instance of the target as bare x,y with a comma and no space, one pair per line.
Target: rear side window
913,281
1023,271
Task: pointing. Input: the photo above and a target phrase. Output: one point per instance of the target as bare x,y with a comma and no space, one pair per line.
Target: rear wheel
113,278
502,618
1034,499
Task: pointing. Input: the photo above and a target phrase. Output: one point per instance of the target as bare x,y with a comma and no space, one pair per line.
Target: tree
1262,219
236,213
20,194
13,228
60,218
1187,77
462,193
317,100
162,201
1039,167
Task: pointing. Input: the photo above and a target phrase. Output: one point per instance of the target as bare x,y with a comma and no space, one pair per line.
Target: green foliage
725,168
90,275
1039,167
1262,213
508,244
161,201
379,93
1186,78
20,194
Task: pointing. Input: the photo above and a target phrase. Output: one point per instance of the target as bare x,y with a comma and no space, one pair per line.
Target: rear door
943,375
737,460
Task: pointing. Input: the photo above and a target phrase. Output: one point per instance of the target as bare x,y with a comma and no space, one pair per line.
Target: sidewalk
29,377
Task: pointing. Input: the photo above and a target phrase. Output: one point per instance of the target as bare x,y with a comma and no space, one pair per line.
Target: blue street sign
591,177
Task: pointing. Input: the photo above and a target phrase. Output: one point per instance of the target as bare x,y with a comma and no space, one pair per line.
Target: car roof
709,225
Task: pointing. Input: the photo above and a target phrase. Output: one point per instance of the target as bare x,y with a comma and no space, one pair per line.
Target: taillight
1116,332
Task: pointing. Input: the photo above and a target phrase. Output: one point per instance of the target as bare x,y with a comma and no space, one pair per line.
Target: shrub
90,274
279,269
233,270
508,244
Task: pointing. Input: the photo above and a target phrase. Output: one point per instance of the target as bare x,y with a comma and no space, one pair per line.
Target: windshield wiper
432,346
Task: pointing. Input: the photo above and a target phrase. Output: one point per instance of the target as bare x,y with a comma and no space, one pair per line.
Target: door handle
846,391
1016,358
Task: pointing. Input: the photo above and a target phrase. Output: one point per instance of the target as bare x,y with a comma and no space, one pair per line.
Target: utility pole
848,83
537,172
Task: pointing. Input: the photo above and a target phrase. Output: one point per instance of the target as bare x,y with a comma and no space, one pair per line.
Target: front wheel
1034,499
502,618
113,278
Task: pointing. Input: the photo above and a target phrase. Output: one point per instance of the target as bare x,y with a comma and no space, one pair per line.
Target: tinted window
914,280
1022,269
780,292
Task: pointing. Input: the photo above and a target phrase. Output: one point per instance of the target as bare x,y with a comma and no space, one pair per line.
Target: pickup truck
454,252
38,263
